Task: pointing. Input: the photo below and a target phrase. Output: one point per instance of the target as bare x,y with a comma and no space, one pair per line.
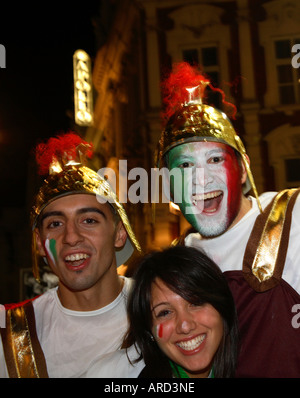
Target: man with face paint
216,166
254,239
82,231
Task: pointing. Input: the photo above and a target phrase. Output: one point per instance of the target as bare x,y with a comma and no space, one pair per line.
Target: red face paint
234,187
159,330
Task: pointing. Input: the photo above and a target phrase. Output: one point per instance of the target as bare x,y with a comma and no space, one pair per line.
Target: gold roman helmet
189,120
63,158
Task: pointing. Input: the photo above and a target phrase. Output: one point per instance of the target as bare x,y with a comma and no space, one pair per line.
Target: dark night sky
36,88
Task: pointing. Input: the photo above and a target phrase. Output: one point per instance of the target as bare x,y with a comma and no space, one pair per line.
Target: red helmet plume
175,88
61,147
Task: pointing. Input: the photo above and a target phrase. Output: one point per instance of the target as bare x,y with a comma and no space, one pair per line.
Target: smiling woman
182,316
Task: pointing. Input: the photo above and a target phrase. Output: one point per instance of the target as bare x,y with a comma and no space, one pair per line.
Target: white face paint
214,210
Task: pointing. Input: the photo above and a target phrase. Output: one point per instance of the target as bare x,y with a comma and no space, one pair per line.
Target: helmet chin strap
242,151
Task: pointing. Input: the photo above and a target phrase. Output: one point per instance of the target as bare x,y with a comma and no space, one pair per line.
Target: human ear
39,243
244,174
121,235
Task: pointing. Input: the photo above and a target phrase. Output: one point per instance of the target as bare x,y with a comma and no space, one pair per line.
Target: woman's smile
189,334
192,345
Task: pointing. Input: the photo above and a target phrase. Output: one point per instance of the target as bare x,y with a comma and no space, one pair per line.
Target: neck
245,207
181,373
90,299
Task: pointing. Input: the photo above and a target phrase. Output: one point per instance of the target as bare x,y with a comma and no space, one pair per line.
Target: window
287,76
292,172
207,58
191,56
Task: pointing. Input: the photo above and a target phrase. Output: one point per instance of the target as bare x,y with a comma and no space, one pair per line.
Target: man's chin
211,229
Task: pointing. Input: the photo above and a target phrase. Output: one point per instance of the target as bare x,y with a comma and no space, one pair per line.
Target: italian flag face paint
220,180
50,246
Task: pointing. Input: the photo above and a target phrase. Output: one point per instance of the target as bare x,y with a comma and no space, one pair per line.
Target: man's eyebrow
218,150
50,214
91,210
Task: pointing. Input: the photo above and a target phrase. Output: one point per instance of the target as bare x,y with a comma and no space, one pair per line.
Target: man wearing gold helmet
254,240
83,233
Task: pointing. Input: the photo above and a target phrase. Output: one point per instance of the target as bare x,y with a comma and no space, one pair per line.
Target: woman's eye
163,314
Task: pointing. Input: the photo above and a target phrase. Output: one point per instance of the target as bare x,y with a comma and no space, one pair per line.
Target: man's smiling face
212,188
78,235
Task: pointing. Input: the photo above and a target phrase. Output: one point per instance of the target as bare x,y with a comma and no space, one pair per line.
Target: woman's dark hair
197,279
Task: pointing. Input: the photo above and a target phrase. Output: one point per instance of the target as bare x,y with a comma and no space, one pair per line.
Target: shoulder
266,197
45,299
128,285
118,364
12,306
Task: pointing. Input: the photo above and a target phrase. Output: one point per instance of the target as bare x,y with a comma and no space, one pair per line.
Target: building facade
247,47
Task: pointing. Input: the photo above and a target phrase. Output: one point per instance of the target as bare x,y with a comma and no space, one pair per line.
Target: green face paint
53,248
50,246
182,157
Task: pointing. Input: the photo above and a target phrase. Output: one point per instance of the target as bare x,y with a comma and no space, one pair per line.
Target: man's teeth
76,257
205,196
190,345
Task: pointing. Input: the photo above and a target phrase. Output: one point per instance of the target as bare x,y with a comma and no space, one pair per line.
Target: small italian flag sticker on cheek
51,249
159,331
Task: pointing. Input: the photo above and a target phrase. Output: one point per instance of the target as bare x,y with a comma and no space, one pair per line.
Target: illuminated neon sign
83,89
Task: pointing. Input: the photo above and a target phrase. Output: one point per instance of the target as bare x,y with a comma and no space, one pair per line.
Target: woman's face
188,334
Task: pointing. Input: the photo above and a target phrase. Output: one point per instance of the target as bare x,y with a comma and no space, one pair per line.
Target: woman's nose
185,323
